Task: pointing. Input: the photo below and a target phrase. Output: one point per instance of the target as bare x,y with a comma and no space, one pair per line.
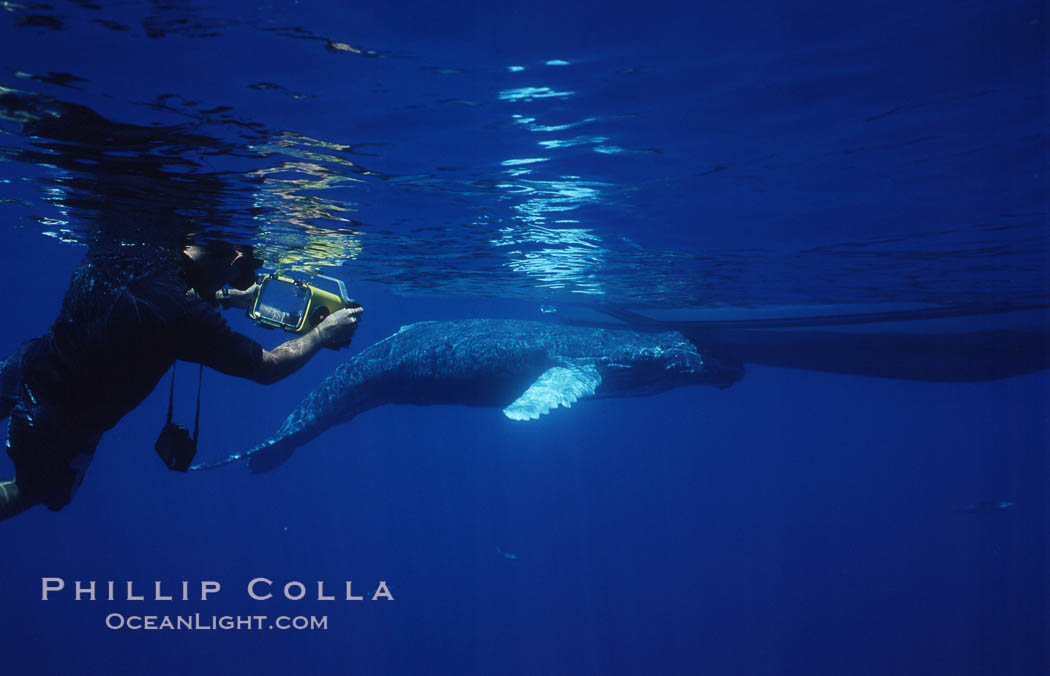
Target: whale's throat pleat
558,386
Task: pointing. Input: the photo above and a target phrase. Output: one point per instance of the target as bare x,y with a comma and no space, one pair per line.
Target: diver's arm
288,357
336,330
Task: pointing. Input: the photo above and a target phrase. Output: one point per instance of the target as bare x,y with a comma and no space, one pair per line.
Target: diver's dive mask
244,265
294,305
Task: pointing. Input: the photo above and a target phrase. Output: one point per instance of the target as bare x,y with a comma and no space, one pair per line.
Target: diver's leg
12,501
40,448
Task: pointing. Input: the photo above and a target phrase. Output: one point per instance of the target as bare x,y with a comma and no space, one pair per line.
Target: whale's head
653,363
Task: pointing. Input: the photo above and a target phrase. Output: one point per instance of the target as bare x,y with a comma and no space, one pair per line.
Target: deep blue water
474,161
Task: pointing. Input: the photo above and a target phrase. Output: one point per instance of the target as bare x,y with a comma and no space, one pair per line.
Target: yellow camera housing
294,305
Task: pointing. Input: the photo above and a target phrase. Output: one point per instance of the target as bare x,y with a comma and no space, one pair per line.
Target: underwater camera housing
295,305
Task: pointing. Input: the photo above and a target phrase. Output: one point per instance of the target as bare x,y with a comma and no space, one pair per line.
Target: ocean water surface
544,161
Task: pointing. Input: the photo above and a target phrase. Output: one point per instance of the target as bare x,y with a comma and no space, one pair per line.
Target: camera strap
171,400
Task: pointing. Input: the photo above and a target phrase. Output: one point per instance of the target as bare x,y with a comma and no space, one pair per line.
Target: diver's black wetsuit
124,321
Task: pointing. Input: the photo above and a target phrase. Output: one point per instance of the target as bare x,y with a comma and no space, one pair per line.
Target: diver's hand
236,298
338,328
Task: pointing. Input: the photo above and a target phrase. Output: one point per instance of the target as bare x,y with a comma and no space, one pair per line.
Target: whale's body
525,368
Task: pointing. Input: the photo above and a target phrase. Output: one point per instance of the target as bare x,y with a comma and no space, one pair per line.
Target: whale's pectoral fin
558,386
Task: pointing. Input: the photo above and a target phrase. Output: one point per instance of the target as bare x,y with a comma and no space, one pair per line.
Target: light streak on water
569,142
525,160
529,93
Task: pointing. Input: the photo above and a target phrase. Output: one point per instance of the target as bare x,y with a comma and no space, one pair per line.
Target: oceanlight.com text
198,622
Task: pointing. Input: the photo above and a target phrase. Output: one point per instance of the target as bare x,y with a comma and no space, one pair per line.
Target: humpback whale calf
526,368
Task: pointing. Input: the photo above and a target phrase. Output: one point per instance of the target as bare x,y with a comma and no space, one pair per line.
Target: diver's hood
911,342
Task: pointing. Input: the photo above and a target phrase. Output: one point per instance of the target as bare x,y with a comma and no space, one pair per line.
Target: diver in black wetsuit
125,319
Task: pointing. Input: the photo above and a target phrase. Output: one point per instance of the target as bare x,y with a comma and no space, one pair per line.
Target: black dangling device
175,446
